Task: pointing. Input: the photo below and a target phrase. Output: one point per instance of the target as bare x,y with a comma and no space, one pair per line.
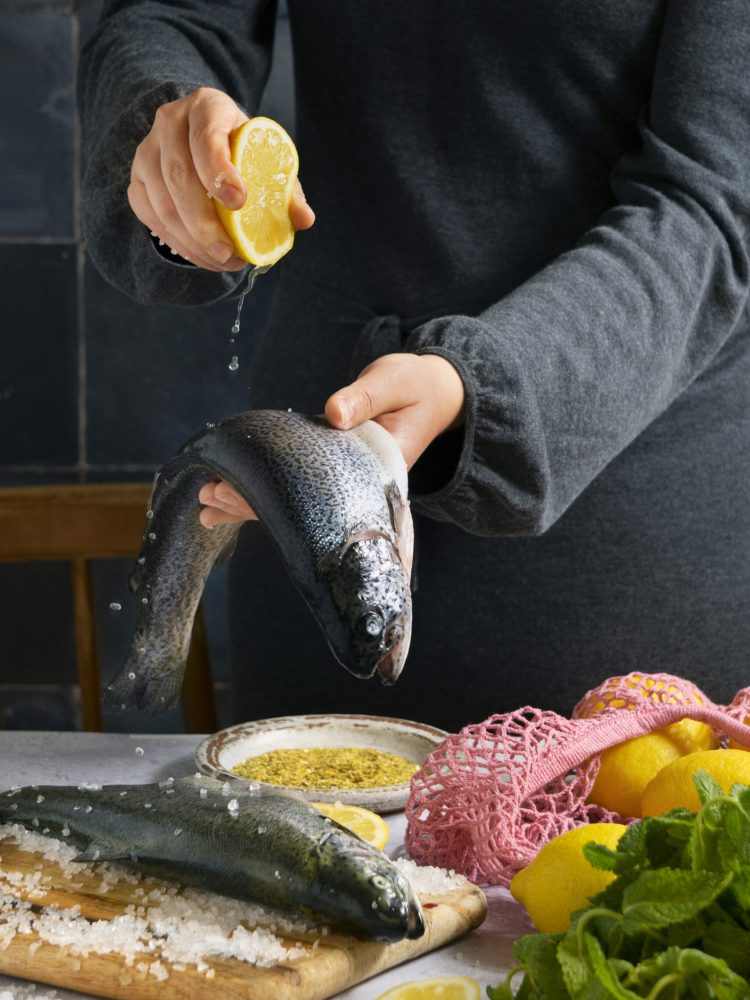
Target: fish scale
334,502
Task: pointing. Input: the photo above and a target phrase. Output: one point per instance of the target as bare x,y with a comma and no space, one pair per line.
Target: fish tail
149,687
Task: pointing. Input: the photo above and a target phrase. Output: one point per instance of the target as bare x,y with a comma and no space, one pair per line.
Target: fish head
372,598
394,905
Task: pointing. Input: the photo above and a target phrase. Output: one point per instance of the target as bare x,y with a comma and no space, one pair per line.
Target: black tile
54,708
157,374
38,356
36,623
36,121
35,477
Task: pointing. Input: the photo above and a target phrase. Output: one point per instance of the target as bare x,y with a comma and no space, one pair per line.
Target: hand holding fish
186,154
414,397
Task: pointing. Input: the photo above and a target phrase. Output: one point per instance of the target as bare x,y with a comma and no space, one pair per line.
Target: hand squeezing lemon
267,160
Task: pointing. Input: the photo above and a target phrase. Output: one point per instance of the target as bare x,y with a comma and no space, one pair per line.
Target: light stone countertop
110,758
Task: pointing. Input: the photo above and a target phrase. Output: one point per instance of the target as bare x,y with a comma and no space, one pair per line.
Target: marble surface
68,758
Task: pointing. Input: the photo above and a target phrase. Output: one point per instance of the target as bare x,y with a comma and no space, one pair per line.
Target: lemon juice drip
234,364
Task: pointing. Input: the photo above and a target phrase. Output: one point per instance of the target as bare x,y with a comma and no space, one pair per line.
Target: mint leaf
538,953
600,856
667,896
707,787
606,971
729,943
716,972
574,963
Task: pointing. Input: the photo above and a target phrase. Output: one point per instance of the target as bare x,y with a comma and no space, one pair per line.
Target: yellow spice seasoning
328,767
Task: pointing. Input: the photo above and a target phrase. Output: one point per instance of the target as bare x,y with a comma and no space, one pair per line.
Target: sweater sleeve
145,53
563,373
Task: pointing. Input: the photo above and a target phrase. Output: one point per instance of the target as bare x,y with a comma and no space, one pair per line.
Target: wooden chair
84,522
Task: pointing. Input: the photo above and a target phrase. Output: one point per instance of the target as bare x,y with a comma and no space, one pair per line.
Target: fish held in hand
335,503
259,846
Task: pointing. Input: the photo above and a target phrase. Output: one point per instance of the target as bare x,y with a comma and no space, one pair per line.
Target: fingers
223,505
415,398
212,118
300,213
383,386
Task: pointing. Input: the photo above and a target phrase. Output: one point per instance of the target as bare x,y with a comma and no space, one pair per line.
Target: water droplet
65,831
234,364
95,855
39,799
209,425
123,794
131,676
203,793
142,561
152,536
236,327
139,750
233,805
149,513
146,805
277,873
144,600
178,831
89,808
141,650
115,606
225,788
261,829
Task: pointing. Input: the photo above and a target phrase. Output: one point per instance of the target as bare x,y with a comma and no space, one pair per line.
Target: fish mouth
415,925
389,667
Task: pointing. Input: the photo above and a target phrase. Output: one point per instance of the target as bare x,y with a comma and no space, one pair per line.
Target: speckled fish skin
272,849
335,502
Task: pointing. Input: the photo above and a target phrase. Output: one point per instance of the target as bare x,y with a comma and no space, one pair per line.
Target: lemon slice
367,825
266,157
441,988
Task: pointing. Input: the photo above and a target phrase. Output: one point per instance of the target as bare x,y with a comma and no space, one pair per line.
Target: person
530,261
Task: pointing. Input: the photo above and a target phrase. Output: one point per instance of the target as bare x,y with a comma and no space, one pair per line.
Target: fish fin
101,852
138,685
227,550
402,524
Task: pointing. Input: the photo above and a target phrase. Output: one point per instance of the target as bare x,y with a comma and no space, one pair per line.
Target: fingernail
346,411
221,252
231,196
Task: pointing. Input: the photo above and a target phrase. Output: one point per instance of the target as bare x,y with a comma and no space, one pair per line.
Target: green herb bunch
675,922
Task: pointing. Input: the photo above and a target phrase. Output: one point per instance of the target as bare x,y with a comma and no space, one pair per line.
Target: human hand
183,156
415,397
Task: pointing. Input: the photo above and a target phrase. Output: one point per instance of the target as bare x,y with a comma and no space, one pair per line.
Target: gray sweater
555,196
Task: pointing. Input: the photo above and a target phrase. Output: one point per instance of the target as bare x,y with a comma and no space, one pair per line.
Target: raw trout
335,502
258,846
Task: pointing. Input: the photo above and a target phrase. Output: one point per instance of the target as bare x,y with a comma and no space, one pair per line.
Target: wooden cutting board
337,962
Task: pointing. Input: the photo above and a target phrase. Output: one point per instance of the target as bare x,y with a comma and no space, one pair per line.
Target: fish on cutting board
335,503
255,845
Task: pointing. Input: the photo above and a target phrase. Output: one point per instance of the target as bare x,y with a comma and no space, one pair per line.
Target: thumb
376,391
212,118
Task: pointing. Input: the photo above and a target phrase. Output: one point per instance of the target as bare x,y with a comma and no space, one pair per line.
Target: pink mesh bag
489,797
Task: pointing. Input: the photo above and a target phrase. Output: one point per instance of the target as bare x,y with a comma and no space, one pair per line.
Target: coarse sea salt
179,928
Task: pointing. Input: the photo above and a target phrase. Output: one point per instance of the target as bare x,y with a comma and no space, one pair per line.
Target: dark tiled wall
93,387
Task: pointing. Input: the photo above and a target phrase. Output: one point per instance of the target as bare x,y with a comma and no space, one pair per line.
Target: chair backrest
78,523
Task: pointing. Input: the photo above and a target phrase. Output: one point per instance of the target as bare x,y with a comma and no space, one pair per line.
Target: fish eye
371,623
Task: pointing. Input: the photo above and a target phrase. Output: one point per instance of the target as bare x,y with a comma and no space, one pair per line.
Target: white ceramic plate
218,754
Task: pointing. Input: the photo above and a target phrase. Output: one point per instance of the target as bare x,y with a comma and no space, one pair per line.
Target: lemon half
264,154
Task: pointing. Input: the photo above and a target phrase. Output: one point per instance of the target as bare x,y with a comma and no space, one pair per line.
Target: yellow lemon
673,786
627,768
367,825
266,157
441,988
560,880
